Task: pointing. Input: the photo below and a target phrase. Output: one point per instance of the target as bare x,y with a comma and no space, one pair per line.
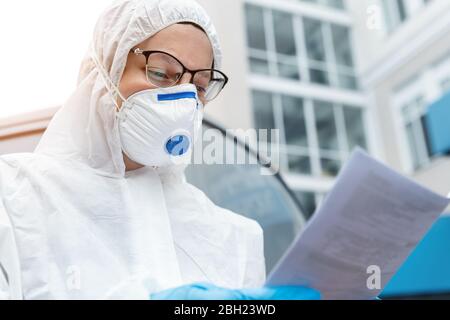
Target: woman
101,208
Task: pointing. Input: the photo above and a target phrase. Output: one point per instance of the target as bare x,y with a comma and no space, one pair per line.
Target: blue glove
204,291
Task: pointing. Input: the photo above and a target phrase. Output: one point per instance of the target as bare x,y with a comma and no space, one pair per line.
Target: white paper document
366,228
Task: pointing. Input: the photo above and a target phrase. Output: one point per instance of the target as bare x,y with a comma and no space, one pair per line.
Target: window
394,13
257,40
354,126
398,11
330,57
327,138
273,51
286,52
411,101
316,136
294,121
295,134
315,46
412,113
338,4
276,41
441,72
344,58
263,110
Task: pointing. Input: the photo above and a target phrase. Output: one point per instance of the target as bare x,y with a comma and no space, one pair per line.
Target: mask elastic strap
110,86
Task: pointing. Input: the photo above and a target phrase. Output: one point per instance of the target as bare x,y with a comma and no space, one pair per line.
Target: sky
42,45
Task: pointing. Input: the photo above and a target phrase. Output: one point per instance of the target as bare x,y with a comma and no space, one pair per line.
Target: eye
201,89
158,74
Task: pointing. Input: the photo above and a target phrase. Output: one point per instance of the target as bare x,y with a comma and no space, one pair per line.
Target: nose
186,78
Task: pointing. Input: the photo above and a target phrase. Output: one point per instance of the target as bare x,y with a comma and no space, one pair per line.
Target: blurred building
331,75
22,132
334,74
406,76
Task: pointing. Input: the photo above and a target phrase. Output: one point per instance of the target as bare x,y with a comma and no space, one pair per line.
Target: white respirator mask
158,127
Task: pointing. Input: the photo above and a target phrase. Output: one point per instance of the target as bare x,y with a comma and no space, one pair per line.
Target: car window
242,189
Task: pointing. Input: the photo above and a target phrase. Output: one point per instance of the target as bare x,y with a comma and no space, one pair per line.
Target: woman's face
190,45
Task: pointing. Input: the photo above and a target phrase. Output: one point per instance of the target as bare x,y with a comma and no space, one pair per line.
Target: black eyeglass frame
148,53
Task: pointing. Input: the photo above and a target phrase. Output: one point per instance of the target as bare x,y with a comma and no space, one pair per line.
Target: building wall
22,133
234,108
385,60
390,59
397,65
377,47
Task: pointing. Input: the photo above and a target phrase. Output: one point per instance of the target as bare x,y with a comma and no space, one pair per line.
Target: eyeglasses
164,70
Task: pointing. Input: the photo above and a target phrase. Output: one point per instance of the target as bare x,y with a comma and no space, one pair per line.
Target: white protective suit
75,225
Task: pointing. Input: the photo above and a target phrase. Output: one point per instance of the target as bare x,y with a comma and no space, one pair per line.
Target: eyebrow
173,54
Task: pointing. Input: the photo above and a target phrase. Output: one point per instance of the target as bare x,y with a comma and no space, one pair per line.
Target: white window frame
412,7
303,62
426,84
311,10
325,3
314,183
441,72
400,98
313,149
